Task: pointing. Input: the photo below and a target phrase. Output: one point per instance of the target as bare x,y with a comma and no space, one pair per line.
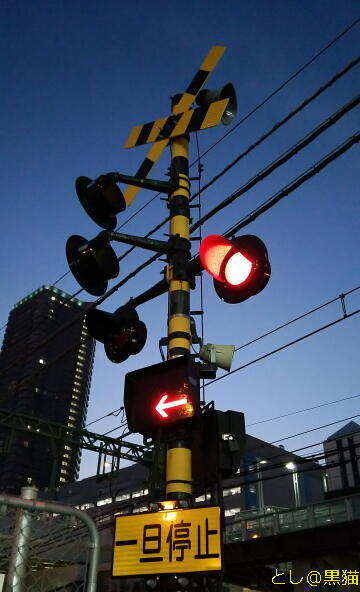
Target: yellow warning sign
171,541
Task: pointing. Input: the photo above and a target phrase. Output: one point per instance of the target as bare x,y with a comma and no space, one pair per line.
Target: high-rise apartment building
45,378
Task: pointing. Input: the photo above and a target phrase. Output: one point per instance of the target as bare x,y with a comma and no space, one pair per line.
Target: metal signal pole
178,454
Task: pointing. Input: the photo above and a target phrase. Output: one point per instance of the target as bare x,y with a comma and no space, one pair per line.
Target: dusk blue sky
77,76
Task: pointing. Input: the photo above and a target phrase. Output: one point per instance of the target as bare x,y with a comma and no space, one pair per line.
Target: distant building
263,481
343,461
257,488
49,380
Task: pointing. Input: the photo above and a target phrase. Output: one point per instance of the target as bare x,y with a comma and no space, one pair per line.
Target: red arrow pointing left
162,405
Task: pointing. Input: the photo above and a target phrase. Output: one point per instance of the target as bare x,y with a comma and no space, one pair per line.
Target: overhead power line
246,152
303,410
281,160
278,349
277,126
341,297
285,191
254,110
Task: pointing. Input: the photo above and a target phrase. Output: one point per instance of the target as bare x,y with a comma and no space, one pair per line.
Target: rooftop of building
56,291
348,429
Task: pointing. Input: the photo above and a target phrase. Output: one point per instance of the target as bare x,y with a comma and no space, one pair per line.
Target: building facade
341,451
45,372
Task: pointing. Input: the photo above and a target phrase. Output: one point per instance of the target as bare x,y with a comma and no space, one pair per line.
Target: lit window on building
104,502
232,490
123,496
86,506
231,512
41,361
139,493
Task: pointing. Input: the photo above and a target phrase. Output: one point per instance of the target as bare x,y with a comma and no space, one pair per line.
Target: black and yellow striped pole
178,455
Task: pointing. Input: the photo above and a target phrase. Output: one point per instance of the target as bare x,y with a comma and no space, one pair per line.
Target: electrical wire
302,316
261,104
310,172
303,410
285,83
278,349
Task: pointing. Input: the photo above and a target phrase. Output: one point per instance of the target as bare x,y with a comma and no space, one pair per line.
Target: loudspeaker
220,355
206,97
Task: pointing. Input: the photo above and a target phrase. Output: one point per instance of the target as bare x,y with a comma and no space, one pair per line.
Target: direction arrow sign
162,405
166,542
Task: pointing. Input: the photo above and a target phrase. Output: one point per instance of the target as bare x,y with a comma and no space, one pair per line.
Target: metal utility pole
178,453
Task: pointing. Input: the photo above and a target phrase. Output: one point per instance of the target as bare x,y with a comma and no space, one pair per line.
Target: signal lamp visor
101,199
92,263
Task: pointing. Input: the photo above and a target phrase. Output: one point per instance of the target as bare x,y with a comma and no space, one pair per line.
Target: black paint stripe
178,351
197,82
197,119
169,126
179,335
145,132
129,542
145,168
150,559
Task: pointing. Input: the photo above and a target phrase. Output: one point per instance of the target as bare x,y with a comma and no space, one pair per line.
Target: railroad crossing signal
168,542
240,267
160,395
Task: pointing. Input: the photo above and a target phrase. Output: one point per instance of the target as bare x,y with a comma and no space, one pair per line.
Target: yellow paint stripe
133,136
214,113
179,324
212,58
184,104
182,124
153,155
180,224
156,129
179,285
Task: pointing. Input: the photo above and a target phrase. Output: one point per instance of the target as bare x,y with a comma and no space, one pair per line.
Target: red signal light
240,267
181,405
161,395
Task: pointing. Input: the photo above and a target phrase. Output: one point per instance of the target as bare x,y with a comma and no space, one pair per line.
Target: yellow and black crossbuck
182,107
177,124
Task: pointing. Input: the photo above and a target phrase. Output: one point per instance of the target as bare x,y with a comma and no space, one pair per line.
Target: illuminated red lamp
162,395
240,267
178,406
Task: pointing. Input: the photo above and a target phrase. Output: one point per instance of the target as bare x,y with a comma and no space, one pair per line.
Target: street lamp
291,466
260,485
